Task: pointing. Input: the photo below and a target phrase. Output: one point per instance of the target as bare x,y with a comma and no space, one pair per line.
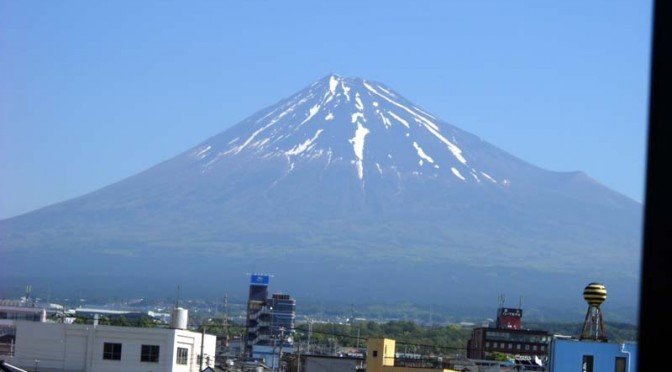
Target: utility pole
358,337
310,328
273,366
273,335
225,322
298,357
282,341
202,342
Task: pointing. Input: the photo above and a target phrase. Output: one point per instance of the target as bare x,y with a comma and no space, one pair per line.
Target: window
182,355
149,353
620,364
587,364
375,353
111,351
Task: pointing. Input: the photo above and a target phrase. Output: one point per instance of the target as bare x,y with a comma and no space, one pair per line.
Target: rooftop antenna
520,302
29,289
501,299
225,324
177,300
226,308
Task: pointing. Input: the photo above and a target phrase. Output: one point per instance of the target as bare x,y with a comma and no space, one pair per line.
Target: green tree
146,322
120,321
502,357
79,320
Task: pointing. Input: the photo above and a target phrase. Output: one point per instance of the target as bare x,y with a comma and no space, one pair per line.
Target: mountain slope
345,179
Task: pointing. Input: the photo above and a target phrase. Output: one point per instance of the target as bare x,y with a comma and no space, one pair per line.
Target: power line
397,342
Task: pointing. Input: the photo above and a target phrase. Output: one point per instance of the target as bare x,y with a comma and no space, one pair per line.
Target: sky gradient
94,92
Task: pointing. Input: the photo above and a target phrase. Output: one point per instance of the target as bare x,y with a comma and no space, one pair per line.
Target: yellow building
381,357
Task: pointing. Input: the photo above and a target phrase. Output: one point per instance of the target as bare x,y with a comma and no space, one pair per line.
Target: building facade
325,363
381,356
258,320
270,322
508,337
10,314
87,348
592,356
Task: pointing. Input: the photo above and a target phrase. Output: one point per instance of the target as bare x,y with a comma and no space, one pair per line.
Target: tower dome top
595,294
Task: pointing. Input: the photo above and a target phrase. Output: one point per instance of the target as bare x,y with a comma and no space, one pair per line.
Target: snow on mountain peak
348,120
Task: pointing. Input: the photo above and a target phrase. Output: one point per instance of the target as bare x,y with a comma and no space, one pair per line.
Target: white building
97,348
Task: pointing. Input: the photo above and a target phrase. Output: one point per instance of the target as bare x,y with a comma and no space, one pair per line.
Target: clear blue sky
92,92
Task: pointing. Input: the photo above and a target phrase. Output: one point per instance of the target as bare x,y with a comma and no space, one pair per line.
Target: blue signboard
258,279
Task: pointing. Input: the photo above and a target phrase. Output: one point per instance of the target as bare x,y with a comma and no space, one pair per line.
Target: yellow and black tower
593,327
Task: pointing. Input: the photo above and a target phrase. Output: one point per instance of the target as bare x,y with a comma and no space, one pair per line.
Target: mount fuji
345,191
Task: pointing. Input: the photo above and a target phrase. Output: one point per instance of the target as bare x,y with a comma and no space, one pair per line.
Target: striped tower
593,327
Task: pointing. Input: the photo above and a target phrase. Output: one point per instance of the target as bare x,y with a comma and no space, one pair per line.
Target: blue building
567,354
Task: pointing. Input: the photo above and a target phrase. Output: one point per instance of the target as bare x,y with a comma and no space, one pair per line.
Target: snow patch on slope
433,128
457,174
313,110
296,150
202,152
402,121
422,154
358,146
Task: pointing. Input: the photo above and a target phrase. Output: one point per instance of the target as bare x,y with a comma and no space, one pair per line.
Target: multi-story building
283,314
270,322
258,321
49,346
12,310
381,356
508,337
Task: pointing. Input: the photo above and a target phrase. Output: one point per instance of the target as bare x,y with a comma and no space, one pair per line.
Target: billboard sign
518,313
259,279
